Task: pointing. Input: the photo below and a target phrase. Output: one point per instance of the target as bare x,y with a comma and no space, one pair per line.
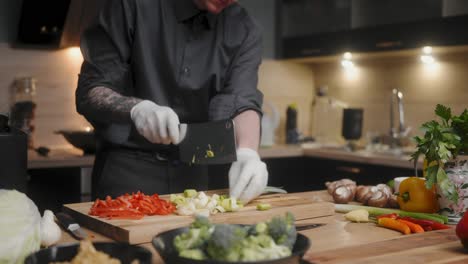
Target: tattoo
108,105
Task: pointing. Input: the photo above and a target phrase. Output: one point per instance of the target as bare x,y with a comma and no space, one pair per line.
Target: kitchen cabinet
371,13
287,173
319,171
300,174
51,188
329,27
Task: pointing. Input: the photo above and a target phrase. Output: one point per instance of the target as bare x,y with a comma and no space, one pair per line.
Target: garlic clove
50,231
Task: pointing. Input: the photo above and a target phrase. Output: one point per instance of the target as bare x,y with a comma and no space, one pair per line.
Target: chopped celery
189,193
263,207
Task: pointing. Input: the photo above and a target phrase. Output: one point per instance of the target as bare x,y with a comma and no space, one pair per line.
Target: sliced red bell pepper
133,206
427,225
392,216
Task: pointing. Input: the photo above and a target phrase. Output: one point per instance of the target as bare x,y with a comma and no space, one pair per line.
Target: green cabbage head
19,227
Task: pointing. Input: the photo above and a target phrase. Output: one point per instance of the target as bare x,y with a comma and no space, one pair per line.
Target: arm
105,102
248,129
104,83
241,100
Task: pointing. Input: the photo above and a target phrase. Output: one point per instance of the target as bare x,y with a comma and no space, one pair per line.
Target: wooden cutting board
143,230
430,247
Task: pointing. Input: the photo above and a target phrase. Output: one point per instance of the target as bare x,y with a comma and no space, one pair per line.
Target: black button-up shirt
203,66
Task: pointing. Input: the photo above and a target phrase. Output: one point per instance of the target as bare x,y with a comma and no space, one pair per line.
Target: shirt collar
186,9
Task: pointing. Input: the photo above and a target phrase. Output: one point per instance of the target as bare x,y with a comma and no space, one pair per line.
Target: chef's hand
158,124
248,175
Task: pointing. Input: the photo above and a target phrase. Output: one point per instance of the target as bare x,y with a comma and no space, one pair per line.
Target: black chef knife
69,224
208,143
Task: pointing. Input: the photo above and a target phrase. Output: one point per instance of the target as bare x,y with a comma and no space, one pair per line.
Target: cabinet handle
353,170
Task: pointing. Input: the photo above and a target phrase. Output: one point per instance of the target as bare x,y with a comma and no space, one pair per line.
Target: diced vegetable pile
134,206
198,203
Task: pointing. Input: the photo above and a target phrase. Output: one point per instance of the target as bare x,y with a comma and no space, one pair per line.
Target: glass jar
23,106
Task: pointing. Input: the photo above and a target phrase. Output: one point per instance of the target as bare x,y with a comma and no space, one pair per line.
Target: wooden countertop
340,241
71,157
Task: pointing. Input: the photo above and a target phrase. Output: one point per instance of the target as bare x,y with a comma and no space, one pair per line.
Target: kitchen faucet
400,132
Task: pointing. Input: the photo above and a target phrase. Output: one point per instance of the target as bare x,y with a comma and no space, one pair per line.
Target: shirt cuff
228,106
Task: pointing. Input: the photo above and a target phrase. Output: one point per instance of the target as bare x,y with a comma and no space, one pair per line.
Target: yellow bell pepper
415,197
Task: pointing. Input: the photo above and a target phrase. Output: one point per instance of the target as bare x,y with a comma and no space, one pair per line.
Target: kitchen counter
59,158
400,161
340,241
71,157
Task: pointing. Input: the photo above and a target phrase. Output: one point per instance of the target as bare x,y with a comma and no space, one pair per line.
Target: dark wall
9,15
263,11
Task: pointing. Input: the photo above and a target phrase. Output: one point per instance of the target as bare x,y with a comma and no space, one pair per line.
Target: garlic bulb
50,231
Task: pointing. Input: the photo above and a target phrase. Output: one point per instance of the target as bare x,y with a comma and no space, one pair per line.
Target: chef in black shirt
151,64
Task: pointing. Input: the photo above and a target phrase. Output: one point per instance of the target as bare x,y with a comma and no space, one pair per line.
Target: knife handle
65,220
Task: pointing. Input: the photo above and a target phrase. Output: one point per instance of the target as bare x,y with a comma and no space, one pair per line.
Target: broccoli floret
283,230
258,253
201,221
258,229
193,254
226,242
263,247
194,238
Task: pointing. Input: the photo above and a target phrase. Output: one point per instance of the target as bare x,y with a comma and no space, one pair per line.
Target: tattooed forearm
106,105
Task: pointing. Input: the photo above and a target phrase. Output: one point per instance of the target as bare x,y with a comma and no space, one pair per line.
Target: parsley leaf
443,112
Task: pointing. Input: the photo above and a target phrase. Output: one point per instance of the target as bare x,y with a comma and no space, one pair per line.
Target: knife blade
208,143
69,224
308,226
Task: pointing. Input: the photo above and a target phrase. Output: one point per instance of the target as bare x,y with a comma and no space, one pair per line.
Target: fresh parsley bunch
442,142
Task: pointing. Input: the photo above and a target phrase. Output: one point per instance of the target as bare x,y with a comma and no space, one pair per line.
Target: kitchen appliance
352,126
13,156
81,139
24,107
327,116
208,143
42,23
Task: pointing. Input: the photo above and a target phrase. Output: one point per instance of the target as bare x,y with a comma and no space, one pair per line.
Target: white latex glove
248,176
158,124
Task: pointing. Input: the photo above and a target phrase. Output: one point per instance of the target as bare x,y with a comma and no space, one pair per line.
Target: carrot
415,228
394,225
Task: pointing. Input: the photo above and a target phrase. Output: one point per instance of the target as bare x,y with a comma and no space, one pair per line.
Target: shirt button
186,70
